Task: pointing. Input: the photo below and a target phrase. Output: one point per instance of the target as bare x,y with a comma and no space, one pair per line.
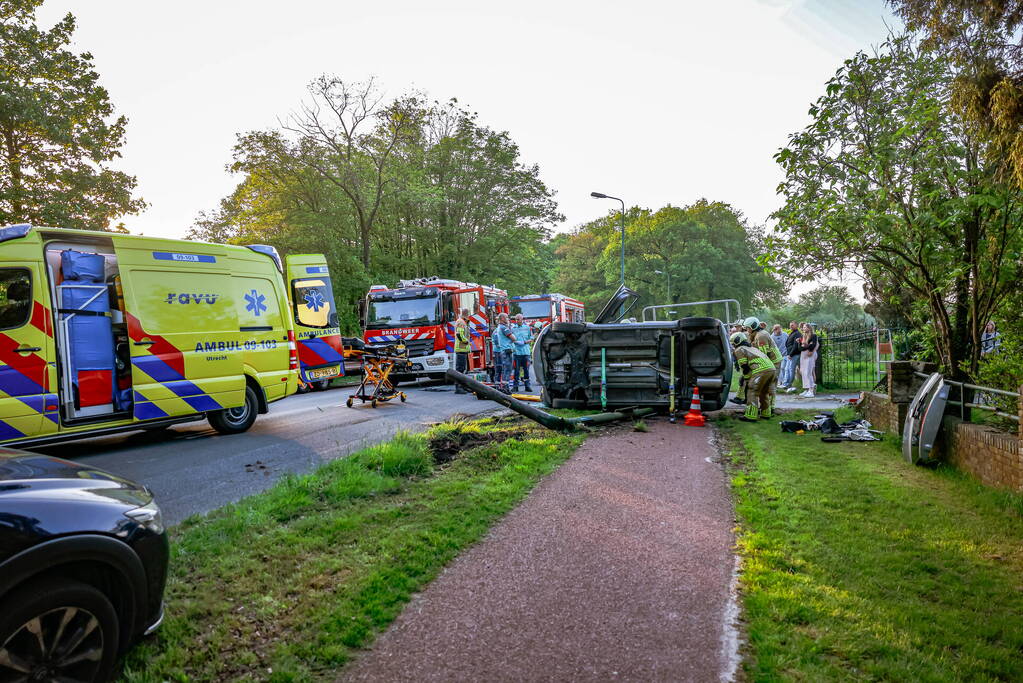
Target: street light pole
601,195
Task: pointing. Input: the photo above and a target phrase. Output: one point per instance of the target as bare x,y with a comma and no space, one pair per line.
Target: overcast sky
654,102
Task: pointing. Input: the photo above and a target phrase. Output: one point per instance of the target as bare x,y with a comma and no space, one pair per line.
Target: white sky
655,102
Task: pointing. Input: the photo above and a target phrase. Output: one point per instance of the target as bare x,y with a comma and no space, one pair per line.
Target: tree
447,196
828,304
890,179
984,40
706,248
350,137
58,131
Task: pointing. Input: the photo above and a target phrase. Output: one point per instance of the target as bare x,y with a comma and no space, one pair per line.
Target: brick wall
882,413
993,457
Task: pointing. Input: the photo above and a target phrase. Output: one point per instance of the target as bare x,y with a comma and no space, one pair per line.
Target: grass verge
859,566
286,585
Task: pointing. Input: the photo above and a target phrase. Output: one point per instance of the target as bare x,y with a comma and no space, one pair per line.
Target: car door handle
144,342
28,349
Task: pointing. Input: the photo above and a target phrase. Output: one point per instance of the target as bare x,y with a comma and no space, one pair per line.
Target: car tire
47,603
567,403
568,328
236,420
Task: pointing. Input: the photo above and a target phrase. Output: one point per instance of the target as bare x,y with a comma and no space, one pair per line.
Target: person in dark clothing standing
791,361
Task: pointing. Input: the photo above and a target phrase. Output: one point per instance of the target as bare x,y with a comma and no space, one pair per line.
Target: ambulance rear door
317,330
183,328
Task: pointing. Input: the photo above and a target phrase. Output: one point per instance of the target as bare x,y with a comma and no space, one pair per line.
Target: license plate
320,373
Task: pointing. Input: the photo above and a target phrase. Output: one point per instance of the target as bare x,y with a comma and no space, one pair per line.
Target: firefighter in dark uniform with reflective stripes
760,375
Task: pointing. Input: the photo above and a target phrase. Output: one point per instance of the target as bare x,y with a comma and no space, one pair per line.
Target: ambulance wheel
349,402
236,420
321,385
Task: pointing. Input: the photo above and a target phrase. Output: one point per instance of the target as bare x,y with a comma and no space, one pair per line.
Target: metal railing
963,405
728,317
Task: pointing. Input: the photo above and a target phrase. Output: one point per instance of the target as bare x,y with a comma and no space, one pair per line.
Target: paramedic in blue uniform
523,334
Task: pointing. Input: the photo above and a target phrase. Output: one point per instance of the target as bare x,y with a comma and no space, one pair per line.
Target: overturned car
616,362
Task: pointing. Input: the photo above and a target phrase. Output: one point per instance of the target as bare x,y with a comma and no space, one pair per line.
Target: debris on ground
831,431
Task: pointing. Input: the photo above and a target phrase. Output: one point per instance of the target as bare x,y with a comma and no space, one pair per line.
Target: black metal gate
855,358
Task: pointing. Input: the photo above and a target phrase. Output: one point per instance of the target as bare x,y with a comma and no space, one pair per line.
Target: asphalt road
192,469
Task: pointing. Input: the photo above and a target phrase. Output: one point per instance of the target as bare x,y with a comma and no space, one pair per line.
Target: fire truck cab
540,310
422,313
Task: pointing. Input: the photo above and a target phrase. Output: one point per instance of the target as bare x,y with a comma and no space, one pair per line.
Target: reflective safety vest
762,340
751,360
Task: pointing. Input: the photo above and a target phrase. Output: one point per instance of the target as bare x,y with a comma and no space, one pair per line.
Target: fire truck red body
422,312
540,310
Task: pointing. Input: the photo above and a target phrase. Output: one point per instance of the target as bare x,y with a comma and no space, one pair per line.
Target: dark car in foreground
616,362
83,562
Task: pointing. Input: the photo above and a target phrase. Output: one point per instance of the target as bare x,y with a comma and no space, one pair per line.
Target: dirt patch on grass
445,445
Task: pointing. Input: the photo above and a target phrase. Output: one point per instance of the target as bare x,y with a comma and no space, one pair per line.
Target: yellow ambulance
104,332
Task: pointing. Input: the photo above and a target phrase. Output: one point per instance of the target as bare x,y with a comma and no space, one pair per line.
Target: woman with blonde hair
808,345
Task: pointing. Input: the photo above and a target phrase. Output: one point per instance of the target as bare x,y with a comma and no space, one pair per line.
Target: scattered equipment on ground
831,431
377,366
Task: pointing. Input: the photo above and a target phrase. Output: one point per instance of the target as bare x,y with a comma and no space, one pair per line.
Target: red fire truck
422,312
540,310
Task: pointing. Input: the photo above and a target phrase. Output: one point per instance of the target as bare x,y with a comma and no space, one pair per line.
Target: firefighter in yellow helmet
760,375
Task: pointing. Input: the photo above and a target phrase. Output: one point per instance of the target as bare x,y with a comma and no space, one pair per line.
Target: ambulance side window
15,297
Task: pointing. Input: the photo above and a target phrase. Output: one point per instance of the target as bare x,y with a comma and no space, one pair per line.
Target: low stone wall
992,456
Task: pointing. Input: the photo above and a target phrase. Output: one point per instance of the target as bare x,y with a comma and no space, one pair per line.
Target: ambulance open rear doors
317,331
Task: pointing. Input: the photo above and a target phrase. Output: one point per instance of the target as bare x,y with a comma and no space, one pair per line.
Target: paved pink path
618,565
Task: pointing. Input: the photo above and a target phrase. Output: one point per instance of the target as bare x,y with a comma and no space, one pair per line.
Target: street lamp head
598,195
659,272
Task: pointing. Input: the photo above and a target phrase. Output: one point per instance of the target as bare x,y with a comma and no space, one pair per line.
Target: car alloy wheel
65,643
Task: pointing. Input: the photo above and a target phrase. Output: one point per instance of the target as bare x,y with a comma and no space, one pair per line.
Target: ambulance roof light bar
269,251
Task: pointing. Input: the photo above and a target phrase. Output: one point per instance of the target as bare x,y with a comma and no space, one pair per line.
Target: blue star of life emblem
255,303
314,300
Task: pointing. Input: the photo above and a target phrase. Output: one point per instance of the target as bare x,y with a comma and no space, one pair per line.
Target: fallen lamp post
561,424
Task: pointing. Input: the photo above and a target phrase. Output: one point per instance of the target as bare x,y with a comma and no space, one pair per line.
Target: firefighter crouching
759,372
758,338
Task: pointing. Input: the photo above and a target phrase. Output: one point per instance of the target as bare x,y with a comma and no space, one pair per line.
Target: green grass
859,566
296,579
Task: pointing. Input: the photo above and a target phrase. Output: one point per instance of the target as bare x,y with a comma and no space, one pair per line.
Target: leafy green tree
829,304
58,131
888,178
985,41
707,250
444,195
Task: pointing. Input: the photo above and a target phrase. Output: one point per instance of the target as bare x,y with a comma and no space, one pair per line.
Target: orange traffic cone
694,418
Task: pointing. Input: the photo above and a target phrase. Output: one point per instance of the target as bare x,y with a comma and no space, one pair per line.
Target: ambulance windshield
532,308
403,308
314,302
